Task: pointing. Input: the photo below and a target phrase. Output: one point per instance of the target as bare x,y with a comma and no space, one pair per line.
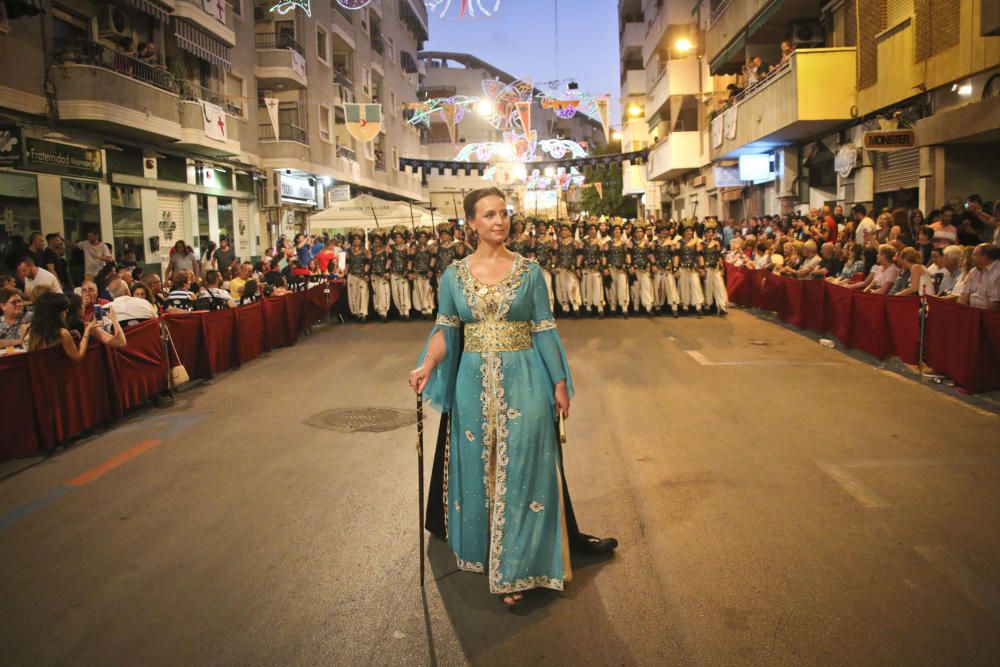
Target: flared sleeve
439,391
544,334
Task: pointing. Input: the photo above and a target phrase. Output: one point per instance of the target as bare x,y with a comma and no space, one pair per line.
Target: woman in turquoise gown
495,363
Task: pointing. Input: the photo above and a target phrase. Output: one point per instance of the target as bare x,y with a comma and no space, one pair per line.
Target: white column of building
149,205
50,205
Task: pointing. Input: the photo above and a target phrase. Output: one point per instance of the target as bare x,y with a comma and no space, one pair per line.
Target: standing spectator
864,227
945,233
36,246
831,225
15,320
325,256
181,259
225,256
916,222
787,49
925,238
982,288
54,261
33,277
975,224
95,254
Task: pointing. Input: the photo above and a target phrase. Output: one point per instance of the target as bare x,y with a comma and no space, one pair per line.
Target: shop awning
764,16
150,8
723,61
201,44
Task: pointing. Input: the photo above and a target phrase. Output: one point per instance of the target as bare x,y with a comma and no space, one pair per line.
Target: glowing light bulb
550,171
683,45
616,135
634,110
485,107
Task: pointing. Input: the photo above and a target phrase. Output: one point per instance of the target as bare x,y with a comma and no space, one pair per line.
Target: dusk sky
520,39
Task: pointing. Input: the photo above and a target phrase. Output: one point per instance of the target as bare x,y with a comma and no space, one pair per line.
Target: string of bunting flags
441,166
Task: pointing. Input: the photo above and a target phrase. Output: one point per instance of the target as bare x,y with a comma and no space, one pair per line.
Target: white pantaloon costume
593,289
400,288
423,295
357,295
642,291
618,289
380,294
715,289
665,289
568,289
690,289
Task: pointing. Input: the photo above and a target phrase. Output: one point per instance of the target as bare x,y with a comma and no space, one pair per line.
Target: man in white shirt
126,306
865,226
95,254
213,288
34,276
982,289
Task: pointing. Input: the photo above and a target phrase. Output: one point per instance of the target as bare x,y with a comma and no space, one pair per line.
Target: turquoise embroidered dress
504,514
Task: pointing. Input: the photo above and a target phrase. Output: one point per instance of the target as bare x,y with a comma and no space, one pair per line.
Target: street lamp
634,110
683,45
616,135
485,107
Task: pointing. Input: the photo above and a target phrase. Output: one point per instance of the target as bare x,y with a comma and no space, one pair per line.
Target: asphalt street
777,503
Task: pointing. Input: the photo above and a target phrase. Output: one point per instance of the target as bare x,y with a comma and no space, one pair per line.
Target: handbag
178,374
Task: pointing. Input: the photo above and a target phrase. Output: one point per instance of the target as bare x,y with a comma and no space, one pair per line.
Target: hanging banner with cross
215,121
364,121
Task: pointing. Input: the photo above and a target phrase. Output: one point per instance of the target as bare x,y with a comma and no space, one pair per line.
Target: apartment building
793,135
144,119
450,74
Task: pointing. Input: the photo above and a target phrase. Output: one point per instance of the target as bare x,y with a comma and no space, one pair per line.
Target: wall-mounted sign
298,190
10,145
892,140
41,155
728,177
339,192
845,160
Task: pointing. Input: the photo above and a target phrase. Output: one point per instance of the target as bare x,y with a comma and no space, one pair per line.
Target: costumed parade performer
494,365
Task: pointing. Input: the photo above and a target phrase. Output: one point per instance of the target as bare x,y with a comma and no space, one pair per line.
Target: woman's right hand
419,376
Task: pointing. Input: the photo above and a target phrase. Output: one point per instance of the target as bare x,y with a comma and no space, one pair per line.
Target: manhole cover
369,420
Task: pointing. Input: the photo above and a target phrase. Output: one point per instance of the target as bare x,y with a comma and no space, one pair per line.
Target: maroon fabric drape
69,396
250,331
278,334
315,308
953,341
868,323
738,285
293,311
837,312
794,294
813,300
18,425
902,327
218,330
188,335
138,370
989,351
772,294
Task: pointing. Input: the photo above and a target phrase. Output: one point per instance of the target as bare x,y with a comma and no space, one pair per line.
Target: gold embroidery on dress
448,321
497,336
543,325
536,506
470,436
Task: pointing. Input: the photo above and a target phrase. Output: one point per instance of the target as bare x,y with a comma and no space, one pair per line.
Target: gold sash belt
497,336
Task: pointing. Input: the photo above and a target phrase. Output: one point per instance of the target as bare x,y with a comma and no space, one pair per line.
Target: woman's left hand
562,399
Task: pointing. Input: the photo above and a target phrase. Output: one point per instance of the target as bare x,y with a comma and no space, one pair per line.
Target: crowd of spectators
951,253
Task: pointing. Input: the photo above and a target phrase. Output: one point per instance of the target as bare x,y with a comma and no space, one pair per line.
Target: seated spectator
736,256
761,258
854,264
314,268
128,307
7,281
925,237
243,273
88,291
48,328
180,294
250,292
913,276
982,288
882,276
15,320
951,274
213,289
273,275
33,276
777,265
828,265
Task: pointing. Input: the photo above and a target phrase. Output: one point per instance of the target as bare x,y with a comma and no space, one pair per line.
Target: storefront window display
203,237
81,211
126,221
19,214
226,218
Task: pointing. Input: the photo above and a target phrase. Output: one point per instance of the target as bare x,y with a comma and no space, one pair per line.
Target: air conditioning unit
112,21
805,34
272,189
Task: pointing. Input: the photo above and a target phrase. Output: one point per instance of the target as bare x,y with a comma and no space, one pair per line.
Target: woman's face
13,308
140,292
180,247
492,221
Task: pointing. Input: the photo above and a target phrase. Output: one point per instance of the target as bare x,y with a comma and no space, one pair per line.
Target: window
369,150
325,123
235,94
237,6
365,81
322,46
391,51
392,100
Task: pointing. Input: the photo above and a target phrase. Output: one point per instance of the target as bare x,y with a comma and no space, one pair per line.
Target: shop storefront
19,211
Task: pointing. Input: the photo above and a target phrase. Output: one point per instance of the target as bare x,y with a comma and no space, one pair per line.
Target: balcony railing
193,92
286,132
87,52
282,40
345,152
378,45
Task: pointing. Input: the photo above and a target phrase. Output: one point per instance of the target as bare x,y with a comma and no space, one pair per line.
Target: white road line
958,573
854,486
952,399
705,361
879,463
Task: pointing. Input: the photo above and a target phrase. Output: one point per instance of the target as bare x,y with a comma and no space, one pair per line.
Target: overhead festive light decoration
424,110
466,8
508,150
284,6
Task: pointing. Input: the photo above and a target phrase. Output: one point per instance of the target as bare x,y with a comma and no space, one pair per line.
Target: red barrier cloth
338,301
813,298
738,285
315,308
772,294
188,335
837,313
69,396
19,435
989,351
902,327
251,331
794,294
138,370
278,334
293,311
218,327
868,324
953,341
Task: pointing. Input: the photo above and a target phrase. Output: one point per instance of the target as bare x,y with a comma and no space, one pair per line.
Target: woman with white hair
953,273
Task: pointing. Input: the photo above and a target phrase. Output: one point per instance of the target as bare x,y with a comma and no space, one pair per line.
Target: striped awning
151,8
205,46
724,63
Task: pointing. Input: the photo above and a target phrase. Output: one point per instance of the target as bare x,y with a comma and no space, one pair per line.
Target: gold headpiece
444,228
399,229
356,231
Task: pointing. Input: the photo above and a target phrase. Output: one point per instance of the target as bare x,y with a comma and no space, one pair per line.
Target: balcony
108,91
632,37
346,153
679,153
810,95
200,106
291,143
281,61
734,23
377,43
678,77
634,83
194,11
